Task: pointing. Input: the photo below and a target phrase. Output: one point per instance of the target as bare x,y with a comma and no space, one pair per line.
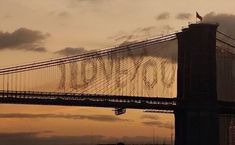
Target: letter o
146,66
83,71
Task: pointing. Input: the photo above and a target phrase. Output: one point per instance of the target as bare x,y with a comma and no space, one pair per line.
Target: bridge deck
92,100
168,105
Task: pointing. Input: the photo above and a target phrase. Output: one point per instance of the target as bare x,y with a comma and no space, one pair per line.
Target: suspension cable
225,35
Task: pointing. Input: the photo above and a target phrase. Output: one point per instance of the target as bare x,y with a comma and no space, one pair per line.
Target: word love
115,67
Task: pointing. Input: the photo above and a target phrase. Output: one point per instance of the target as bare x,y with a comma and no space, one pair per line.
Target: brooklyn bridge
190,73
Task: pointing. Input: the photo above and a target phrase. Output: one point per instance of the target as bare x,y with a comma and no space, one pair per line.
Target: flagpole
198,17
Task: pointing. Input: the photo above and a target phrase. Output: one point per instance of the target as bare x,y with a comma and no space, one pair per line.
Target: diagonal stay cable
103,80
123,77
50,64
101,50
222,41
220,32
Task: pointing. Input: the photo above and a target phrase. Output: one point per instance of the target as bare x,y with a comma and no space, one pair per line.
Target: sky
33,30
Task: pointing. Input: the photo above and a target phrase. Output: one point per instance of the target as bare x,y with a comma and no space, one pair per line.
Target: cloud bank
184,16
23,39
36,138
152,117
163,16
167,125
71,51
154,120
226,22
33,138
101,118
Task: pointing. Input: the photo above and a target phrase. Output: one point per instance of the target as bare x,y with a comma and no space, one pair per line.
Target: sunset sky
54,28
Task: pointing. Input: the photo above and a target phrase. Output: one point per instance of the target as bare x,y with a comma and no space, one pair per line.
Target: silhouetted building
232,132
133,144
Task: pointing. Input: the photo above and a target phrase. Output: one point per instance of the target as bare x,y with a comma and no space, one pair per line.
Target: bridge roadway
156,104
92,100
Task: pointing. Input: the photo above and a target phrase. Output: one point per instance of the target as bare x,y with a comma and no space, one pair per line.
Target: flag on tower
198,16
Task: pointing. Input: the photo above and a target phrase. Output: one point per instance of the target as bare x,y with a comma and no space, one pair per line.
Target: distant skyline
33,30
